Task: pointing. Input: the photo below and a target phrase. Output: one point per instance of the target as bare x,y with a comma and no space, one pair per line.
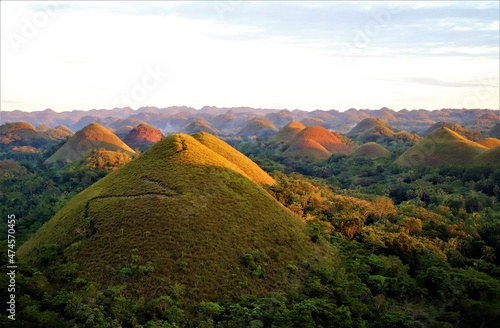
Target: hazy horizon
283,55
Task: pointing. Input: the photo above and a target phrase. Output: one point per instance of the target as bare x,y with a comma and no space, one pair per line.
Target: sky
68,55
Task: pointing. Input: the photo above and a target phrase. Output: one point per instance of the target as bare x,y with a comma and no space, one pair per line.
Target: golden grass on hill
443,146
489,142
370,150
245,164
91,137
286,133
191,218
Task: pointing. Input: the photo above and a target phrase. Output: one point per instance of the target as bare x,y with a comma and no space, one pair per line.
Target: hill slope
245,164
442,146
491,156
489,142
197,227
90,137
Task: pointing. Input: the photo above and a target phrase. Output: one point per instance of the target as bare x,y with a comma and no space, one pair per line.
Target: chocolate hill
443,146
316,142
143,136
180,219
93,136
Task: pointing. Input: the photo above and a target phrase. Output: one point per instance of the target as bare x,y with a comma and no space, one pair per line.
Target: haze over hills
258,128
188,215
442,146
231,120
93,136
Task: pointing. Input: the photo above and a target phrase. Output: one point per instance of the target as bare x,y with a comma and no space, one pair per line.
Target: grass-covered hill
286,133
200,125
179,220
489,157
471,135
93,136
370,150
367,124
21,134
443,146
489,142
316,142
245,164
259,128
60,132
143,136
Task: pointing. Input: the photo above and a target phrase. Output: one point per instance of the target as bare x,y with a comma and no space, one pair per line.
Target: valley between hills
244,217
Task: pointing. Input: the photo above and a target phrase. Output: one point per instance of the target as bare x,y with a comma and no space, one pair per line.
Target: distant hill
442,146
180,217
93,136
199,125
259,128
471,135
367,124
494,132
370,150
21,134
60,132
123,131
143,136
316,142
231,120
286,133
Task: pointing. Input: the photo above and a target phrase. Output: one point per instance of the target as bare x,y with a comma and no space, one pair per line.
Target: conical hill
370,150
245,164
93,136
443,146
182,220
286,133
316,142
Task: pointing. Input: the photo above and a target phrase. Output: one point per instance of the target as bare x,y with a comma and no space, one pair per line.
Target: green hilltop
93,136
443,146
181,219
370,150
